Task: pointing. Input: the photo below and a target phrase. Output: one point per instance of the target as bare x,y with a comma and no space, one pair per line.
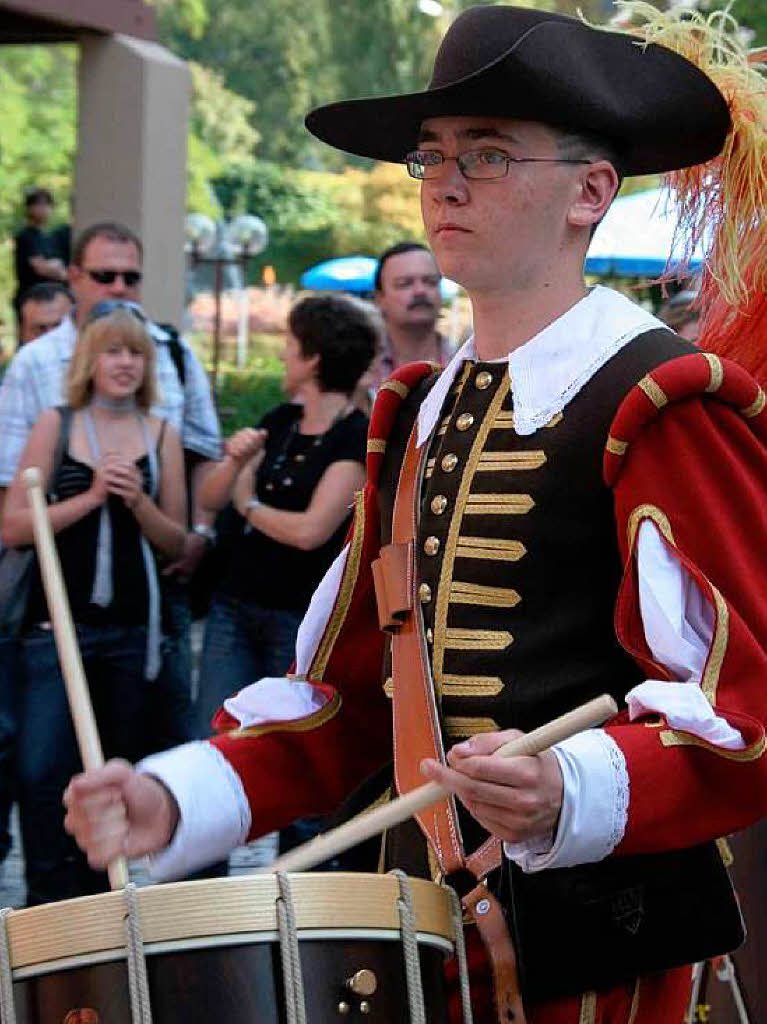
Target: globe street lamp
220,246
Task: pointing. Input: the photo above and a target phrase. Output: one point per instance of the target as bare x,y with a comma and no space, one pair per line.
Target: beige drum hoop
184,913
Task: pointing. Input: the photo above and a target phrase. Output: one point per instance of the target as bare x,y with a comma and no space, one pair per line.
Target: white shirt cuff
594,806
214,816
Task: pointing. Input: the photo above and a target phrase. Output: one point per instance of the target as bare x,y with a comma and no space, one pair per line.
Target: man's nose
450,186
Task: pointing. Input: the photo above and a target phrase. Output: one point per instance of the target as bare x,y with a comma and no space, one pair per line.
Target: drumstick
66,644
371,823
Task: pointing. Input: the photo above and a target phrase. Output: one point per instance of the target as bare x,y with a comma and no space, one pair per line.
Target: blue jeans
173,714
9,694
243,642
47,756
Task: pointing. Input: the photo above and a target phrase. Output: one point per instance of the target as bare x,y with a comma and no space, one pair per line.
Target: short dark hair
584,146
395,250
37,194
343,331
105,229
44,291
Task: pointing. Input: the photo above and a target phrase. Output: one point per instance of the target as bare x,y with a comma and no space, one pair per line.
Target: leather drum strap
417,733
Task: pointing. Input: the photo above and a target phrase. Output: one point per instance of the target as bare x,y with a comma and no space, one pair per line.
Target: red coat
688,449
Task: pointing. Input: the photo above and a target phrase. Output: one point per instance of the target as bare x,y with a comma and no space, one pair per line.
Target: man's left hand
194,549
513,798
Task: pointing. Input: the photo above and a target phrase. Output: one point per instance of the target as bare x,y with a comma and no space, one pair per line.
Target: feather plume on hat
723,202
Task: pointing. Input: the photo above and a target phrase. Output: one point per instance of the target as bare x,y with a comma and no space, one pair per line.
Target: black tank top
77,551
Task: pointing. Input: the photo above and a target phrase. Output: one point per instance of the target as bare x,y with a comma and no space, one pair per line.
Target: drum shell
236,978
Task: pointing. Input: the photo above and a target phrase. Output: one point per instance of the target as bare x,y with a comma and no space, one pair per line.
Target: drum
215,951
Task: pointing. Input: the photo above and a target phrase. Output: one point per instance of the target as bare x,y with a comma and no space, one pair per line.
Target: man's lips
450,226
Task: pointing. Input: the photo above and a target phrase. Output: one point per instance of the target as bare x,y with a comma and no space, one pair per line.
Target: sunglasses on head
130,277
109,306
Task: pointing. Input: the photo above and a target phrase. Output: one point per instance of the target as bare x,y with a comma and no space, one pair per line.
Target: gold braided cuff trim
717,371
376,446
616,447
555,420
397,387
654,392
756,406
314,721
672,738
504,420
649,512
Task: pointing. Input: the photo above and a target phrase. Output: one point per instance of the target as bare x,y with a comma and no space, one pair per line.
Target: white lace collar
550,369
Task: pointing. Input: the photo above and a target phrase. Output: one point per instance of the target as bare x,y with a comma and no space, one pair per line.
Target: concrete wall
131,157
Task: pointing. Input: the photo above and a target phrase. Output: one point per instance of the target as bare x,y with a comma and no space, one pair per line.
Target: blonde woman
118,496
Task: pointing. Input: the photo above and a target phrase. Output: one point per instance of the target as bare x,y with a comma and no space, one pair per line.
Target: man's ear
598,185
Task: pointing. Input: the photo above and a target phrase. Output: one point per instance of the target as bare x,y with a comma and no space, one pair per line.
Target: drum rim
221,906
218,942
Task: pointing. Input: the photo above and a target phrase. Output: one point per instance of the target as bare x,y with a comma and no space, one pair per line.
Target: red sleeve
698,470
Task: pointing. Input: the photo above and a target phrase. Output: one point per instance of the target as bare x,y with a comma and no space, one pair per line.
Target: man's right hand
116,811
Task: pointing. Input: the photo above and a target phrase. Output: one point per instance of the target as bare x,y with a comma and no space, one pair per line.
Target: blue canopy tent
353,274
348,273
636,236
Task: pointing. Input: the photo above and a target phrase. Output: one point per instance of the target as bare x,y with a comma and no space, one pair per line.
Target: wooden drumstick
371,823
66,645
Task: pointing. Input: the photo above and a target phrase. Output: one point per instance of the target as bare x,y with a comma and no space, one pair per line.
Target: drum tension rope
289,952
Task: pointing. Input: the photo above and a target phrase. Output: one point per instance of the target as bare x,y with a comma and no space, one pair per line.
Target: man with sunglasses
540,517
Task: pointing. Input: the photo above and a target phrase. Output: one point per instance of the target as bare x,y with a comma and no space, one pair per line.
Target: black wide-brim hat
657,109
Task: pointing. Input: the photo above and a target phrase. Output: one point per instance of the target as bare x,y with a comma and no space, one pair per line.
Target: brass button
438,504
431,545
464,421
483,380
429,635
363,983
449,462
424,593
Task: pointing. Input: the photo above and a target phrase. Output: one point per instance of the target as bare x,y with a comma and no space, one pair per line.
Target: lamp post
226,245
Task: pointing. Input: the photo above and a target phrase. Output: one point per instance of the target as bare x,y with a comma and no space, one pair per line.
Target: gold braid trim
348,582
756,406
654,391
717,371
314,721
616,447
397,387
634,1002
718,648
376,446
712,671
588,1008
673,738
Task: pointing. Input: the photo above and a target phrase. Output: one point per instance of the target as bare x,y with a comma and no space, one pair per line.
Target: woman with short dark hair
292,480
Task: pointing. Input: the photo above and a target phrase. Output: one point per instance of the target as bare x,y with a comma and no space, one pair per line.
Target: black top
31,242
260,570
77,551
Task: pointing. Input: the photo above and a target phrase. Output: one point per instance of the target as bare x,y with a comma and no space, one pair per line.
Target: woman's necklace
115,404
282,459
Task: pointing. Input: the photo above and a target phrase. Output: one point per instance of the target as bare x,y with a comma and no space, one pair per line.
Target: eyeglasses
109,306
476,164
130,277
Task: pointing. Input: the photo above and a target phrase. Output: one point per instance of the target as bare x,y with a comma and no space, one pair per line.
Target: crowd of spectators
117,412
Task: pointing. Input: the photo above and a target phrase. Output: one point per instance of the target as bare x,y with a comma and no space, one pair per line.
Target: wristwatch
203,530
